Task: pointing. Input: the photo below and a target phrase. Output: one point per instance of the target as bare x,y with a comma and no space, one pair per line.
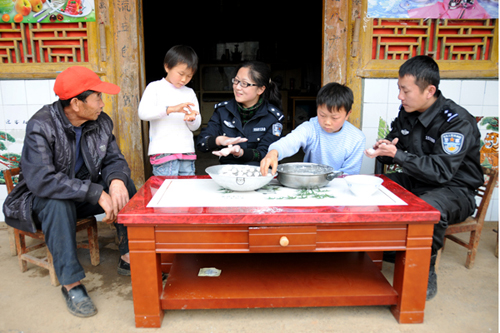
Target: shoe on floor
123,267
78,301
432,287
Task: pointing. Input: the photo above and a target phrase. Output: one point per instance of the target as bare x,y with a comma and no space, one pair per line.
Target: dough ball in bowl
237,177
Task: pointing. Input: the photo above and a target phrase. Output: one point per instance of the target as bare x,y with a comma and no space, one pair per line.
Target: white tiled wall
380,99
19,100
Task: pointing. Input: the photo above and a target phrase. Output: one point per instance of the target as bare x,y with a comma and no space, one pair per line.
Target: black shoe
432,286
389,256
123,267
78,301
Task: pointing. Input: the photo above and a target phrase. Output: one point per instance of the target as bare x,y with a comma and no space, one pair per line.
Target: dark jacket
439,147
48,160
264,128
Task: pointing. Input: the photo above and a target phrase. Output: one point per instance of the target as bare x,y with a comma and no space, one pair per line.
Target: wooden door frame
129,71
126,40
340,56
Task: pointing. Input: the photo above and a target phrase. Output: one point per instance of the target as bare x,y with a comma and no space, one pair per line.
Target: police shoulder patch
218,105
276,112
449,115
452,142
277,129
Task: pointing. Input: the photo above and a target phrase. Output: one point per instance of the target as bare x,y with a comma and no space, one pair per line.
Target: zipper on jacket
84,153
73,160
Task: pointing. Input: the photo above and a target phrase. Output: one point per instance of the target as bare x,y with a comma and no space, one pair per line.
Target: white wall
380,99
19,100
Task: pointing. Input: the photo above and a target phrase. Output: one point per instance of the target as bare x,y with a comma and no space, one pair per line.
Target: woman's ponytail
273,94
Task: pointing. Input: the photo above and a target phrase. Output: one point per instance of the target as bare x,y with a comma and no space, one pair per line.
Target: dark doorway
283,34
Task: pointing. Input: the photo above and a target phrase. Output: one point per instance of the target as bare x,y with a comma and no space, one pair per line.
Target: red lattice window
43,42
443,39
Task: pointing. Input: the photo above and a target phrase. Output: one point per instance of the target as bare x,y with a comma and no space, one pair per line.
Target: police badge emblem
452,143
277,129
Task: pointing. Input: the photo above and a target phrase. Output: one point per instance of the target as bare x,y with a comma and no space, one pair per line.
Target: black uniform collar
232,106
428,115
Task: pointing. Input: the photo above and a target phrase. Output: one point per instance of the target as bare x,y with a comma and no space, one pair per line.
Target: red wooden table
291,257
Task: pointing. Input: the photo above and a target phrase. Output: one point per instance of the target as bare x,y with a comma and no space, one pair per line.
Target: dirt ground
467,300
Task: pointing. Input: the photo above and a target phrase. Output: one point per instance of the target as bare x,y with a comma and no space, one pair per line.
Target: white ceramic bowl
239,178
363,185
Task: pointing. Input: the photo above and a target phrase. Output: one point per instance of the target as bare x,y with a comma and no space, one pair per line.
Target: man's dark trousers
58,222
454,203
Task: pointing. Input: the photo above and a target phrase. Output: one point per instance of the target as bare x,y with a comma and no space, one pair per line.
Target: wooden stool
23,251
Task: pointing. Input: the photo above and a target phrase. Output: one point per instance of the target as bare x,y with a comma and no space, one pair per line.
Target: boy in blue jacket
326,139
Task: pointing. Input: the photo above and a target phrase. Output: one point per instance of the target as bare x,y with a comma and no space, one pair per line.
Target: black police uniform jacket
48,163
439,147
261,130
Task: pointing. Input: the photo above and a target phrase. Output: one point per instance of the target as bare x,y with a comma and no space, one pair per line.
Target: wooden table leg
411,273
146,276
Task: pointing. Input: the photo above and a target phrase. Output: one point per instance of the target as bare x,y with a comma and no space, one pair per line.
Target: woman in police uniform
241,130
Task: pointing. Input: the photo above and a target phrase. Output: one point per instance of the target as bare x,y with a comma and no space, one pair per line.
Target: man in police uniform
436,142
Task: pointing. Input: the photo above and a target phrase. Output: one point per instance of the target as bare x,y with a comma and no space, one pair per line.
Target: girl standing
173,113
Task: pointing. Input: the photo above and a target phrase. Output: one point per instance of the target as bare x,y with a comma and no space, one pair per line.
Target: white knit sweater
168,134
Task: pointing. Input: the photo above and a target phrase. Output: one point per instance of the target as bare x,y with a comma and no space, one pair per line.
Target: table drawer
282,239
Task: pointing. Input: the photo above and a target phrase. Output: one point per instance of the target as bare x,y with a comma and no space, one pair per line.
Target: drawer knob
284,241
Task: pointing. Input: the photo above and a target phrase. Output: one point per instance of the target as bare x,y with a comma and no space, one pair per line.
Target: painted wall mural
436,9
489,143
47,11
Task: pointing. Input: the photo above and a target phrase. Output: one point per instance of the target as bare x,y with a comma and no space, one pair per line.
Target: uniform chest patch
259,129
277,129
228,124
452,143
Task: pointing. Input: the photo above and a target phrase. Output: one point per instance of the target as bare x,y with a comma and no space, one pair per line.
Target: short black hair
181,54
334,95
82,97
424,69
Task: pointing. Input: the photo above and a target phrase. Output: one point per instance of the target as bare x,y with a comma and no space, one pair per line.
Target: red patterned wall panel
395,39
43,42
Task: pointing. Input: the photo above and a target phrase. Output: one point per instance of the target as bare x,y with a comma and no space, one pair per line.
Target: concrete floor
467,300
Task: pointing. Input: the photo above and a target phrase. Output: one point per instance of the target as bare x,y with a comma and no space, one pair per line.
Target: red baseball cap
74,80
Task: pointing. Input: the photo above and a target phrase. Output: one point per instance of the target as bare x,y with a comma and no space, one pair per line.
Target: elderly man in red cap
71,168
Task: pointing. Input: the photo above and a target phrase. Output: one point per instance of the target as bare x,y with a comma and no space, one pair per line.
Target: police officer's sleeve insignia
452,143
277,129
